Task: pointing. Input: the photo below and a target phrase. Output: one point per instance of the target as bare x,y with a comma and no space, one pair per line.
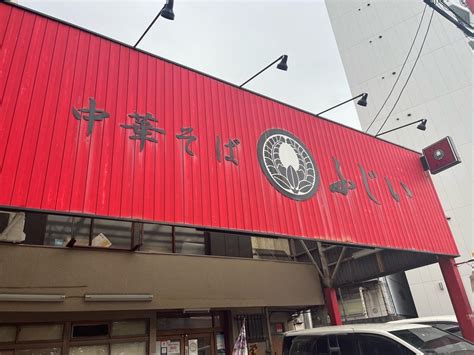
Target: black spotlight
363,100
283,63
422,125
167,11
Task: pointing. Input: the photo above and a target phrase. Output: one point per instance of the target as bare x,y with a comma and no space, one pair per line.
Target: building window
183,322
110,338
136,348
40,332
41,351
169,239
7,334
64,231
73,231
90,330
128,328
157,237
111,233
31,339
61,229
190,241
89,350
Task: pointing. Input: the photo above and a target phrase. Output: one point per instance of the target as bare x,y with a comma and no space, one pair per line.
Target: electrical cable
148,28
401,70
409,75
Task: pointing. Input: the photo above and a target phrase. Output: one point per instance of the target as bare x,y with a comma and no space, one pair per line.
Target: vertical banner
240,346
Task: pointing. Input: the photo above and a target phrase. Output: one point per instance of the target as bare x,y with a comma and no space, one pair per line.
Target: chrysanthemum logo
288,164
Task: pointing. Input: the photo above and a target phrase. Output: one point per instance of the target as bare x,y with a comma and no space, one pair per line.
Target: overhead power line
401,70
409,75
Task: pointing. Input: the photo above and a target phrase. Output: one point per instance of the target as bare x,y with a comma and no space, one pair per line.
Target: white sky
231,40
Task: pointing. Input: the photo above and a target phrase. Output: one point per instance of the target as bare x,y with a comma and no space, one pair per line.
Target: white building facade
374,38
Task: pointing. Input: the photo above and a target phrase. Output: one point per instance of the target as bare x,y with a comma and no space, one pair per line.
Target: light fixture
196,310
166,12
421,126
116,297
30,297
361,102
283,65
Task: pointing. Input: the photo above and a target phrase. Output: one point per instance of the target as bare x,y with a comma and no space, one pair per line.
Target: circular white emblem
288,164
438,154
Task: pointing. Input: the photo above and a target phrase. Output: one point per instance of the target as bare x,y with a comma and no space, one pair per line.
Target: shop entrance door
186,344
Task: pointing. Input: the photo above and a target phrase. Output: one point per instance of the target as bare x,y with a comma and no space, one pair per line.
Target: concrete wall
373,39
176,281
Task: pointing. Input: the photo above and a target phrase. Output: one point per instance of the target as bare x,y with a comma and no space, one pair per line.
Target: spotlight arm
261,71
340,104
148,28
394,129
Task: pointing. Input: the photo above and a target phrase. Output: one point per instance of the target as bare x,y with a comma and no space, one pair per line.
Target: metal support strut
458,296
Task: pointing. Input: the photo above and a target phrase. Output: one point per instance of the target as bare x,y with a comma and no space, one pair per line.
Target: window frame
67,341
401,346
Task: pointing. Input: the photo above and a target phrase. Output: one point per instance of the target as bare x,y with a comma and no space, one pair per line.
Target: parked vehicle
375,339
447,323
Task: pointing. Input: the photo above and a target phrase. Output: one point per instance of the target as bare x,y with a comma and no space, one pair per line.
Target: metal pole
148,28
269,331
394,129
261,71
308,320
339,260
458,296
342,103
311,258
332,306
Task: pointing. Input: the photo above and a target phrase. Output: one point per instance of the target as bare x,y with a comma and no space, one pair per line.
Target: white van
447,323
375,339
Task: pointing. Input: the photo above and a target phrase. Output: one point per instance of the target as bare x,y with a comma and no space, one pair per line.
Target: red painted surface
48,162
332,306
470,4
459,299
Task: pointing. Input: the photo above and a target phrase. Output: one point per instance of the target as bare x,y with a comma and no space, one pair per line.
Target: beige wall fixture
118,298
29,297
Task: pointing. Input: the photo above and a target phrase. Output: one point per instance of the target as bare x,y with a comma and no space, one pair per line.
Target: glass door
199,344
186,344
170,345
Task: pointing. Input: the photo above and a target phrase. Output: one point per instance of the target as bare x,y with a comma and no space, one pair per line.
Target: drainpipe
364,306
308,321
269,332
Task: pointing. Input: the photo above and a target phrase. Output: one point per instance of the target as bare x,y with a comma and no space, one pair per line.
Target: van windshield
435,341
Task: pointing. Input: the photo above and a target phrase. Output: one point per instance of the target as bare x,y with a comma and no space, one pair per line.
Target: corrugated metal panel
49,162
389,263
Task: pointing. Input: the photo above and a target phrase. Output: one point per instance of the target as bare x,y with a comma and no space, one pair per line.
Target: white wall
440,90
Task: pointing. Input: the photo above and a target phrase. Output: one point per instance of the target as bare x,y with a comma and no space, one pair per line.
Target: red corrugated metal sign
90,126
